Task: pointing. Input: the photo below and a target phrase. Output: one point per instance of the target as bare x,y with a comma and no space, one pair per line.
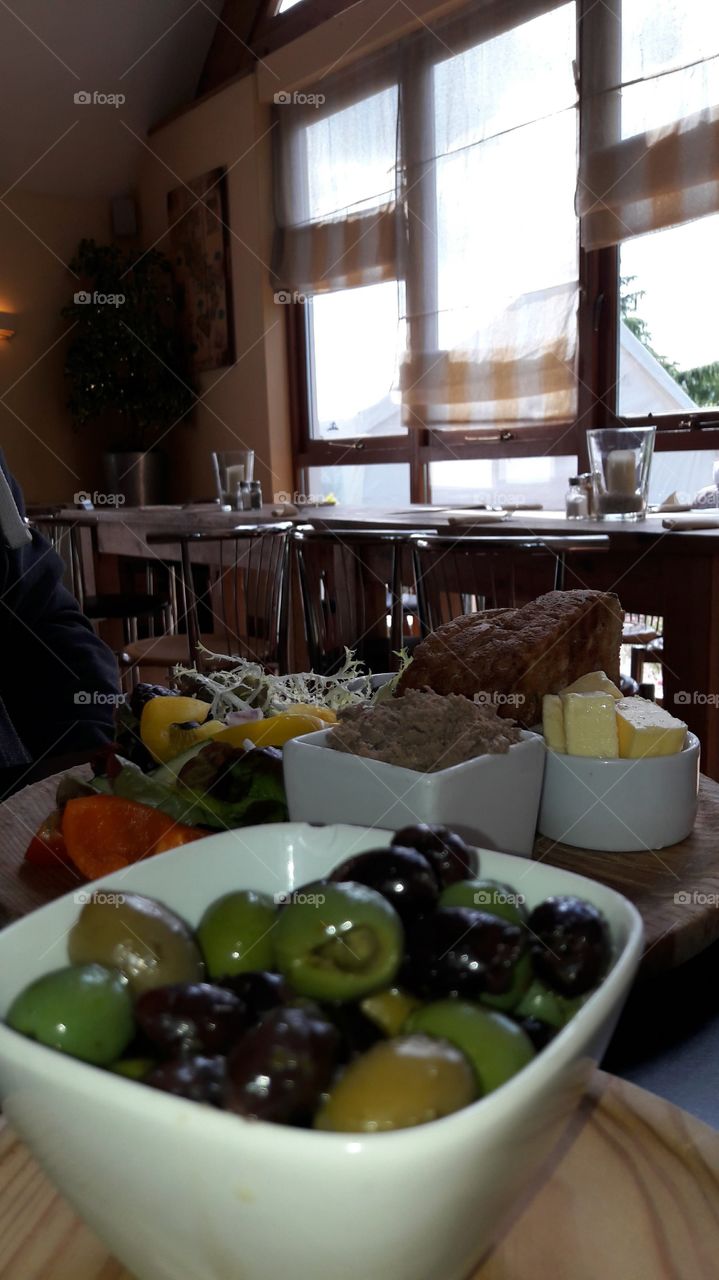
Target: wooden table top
632,1192
676,890
205,516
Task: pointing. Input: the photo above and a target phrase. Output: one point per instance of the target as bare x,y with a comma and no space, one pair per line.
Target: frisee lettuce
247,684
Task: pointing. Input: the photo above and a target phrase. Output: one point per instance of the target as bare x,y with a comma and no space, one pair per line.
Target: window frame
597,361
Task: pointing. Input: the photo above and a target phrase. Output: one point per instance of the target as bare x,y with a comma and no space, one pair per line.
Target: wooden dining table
653,570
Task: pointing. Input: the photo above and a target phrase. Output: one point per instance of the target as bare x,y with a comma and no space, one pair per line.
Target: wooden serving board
632,1194
675,930
675,890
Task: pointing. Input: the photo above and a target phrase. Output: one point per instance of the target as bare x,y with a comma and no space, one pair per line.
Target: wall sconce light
7,325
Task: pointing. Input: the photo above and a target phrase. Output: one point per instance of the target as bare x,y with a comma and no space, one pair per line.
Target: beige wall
245,405
49,459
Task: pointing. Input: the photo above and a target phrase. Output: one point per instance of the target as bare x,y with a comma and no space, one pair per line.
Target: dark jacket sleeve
58,680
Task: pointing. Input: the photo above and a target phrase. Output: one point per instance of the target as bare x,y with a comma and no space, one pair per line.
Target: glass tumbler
620,459
232,468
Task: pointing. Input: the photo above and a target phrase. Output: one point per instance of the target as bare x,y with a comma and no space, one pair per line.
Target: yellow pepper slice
275,731
308,709
160,721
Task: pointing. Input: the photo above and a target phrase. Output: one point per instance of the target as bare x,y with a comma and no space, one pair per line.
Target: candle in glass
233,478
621,484
621,471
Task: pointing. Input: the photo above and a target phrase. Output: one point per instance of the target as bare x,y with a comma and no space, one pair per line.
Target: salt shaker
255,495
576,500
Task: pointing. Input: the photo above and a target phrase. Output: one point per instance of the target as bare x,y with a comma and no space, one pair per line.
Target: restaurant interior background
415,251
415,314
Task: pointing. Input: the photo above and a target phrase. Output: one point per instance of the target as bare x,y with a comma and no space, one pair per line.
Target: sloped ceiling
150,51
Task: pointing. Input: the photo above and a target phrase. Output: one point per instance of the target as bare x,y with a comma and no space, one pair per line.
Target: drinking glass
231,468
620,459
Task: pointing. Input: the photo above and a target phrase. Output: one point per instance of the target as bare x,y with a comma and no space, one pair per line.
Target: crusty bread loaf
525,652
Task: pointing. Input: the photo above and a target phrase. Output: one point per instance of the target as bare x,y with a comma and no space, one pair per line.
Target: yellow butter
645,729
594,682
590,724
553,722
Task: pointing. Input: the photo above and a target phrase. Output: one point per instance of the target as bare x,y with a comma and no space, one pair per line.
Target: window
649,195
357,340
503,231
287,4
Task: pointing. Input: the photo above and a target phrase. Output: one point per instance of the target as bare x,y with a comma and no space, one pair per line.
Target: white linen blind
651,145
450,162
336,200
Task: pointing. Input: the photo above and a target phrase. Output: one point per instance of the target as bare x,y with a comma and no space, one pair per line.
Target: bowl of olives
312,1051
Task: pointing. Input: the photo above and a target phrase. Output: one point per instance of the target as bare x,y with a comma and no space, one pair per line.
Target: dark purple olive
463,952
144,693
570,944
260,991
197,1078
448,855
403,876
191,1017
540,1033
280,1068
358,1033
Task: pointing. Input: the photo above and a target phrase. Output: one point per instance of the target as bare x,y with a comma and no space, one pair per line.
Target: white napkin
694,521
471,516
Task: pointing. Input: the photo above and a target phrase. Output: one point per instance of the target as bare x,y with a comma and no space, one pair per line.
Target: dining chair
352,595
74,538
644,633
458,575
232,598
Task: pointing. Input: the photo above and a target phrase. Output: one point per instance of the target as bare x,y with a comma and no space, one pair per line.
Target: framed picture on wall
200,252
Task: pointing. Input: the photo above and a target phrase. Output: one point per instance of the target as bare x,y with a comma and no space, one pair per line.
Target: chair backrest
233,586
350,581
73,541
459,575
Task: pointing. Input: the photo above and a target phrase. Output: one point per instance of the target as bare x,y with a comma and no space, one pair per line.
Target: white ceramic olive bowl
179,1191
620,806
491,800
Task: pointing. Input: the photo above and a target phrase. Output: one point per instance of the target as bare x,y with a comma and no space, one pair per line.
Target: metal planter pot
137,478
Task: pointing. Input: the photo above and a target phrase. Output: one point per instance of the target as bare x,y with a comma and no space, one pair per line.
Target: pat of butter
553,722
590,724
594,682
648,730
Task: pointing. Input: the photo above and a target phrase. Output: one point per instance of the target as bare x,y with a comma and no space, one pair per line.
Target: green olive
133,1068
548,1006
139,936
85,1011
521,980
338,941
496,1046
397,1084
235,934
389,1009
490,896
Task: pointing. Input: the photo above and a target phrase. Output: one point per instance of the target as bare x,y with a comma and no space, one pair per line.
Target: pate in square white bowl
491,800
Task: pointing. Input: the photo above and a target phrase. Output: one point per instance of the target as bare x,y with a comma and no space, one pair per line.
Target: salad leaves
247,685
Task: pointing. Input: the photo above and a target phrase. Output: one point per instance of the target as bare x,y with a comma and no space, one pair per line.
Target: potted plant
126,364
